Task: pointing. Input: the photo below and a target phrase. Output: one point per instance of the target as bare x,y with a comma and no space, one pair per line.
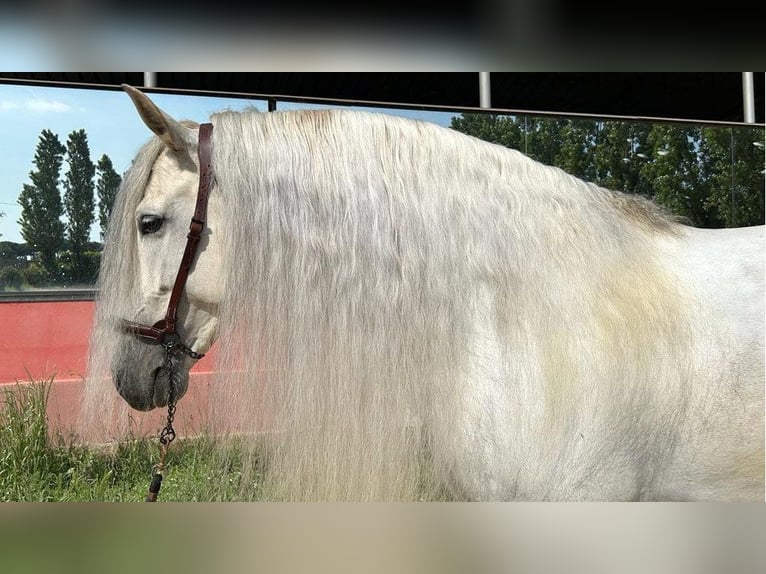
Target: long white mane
375,265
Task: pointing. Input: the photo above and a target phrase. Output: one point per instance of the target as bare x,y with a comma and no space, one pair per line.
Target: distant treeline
57,214
712,176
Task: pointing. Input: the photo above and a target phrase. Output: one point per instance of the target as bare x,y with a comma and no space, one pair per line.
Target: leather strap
157,333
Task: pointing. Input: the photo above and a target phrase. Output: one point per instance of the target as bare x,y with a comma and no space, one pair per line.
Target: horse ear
176,136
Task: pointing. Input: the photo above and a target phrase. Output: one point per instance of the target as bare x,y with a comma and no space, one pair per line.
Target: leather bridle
163,332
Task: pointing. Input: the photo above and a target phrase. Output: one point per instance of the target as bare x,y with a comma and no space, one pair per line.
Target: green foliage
11,252
616,156
732,162
106,189
58,250
712,176
40,201
543,141
78,202
36,275
79,270
674,172
503,130
578,140
13,259
11,278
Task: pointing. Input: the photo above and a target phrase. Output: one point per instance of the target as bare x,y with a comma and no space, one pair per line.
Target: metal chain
173,348
168,434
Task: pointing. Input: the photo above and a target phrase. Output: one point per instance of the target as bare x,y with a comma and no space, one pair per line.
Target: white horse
403,310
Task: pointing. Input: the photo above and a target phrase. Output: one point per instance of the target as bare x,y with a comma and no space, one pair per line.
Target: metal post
150,79
485,90
732,221
748,97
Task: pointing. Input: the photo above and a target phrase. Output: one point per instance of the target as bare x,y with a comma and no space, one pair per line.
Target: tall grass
38,466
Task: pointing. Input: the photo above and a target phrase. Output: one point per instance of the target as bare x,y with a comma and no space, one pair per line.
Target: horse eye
150,224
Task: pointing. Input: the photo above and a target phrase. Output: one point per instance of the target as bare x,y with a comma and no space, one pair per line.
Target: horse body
686,425
387,292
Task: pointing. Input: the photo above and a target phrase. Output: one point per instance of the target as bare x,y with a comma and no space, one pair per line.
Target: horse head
144,374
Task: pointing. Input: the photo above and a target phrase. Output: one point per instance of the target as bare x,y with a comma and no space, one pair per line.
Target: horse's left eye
150,224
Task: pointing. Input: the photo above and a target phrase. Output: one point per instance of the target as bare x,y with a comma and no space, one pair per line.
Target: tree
732,165
543,138
503,130
671,169
539,138
713,176
619,151
78,200
578,138
40,201
12,261
106,189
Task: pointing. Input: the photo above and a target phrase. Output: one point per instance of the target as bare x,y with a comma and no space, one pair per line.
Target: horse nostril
117,380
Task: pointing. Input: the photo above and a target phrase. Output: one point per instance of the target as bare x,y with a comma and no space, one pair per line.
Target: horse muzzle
147,377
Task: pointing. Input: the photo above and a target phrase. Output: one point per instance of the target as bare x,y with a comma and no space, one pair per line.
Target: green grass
36,467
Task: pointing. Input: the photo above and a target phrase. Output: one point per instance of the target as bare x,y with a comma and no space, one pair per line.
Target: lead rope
166,437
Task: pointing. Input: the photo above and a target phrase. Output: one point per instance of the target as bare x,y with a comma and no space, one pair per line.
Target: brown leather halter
163,332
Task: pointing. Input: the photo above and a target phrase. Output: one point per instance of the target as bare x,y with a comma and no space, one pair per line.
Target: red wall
41,340
45,339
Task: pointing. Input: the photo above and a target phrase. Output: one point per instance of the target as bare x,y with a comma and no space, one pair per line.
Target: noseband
163,332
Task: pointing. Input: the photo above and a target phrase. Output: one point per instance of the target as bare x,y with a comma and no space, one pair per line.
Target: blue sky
112,125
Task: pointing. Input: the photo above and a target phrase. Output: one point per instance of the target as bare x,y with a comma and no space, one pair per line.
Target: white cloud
36,106
41,106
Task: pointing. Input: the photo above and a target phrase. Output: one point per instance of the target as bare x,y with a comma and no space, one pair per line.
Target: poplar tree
78,200
40,201
106,189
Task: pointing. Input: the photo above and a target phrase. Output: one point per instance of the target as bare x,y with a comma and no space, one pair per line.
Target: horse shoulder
722,272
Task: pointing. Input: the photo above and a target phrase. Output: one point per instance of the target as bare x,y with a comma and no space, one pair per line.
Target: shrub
12,278
35,275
